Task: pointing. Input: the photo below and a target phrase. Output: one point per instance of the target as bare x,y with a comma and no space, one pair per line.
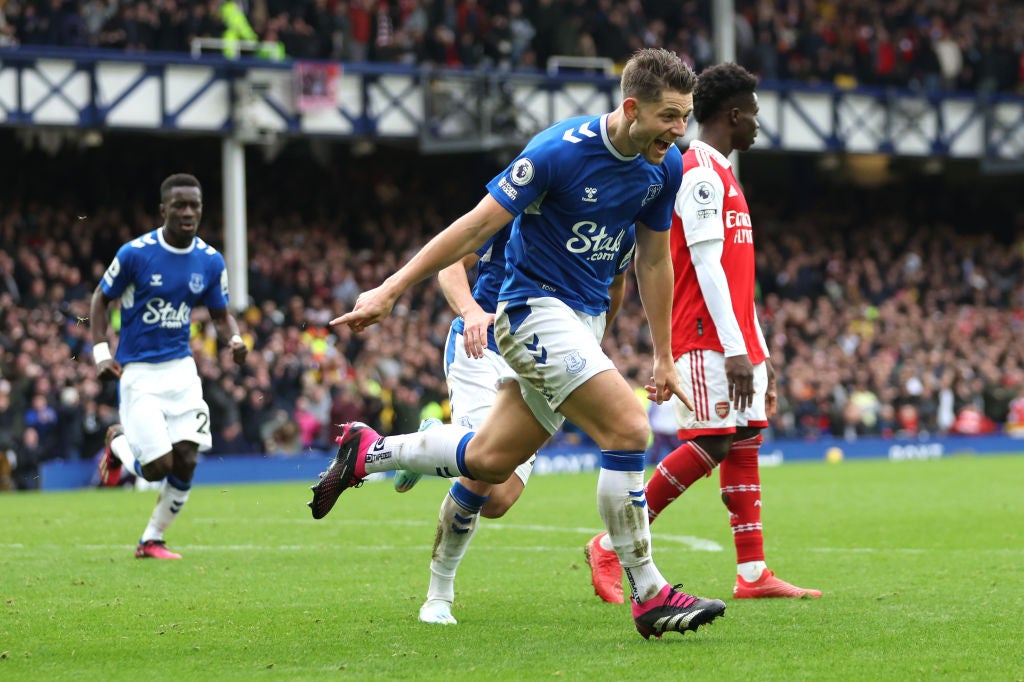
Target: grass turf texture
922,565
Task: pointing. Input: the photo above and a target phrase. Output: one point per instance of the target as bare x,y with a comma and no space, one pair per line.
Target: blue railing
462,109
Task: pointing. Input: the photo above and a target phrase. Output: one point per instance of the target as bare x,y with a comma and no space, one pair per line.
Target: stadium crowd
928,44
894,320
878,324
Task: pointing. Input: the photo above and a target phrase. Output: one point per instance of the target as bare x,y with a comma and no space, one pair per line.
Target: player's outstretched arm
464,236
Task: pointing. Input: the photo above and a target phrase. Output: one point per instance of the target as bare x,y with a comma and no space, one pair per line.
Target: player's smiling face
181,210
657,125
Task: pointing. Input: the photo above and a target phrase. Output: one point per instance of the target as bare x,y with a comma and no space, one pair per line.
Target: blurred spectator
29,455
360,30
282,435
70,435
862,412
908,421
11,423
7,457
236,27
228,439
405,403
310,425
42,419
348,406
1015,419
971,421
256,413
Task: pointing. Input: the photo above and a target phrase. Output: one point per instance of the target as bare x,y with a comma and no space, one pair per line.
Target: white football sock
456,525
173,495
751,570
122,449
623,508
438,451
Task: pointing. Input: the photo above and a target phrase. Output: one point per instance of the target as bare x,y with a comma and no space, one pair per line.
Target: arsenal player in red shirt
717,343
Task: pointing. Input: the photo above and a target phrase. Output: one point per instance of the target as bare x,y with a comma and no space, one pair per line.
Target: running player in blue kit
573,193
159,278
473,370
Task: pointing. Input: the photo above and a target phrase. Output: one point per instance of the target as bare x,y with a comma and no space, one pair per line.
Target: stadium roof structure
255,100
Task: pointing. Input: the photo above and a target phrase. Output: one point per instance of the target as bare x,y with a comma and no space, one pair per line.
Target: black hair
178,180
718,87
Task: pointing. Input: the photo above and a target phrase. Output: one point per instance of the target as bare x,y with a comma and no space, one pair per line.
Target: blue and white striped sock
623,508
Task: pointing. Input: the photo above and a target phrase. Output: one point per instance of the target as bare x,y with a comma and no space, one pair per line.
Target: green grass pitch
922,565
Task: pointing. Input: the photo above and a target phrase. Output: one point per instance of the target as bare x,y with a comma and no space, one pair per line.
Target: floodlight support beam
235,243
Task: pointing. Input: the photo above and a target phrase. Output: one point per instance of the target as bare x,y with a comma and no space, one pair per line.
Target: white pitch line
697,544
285,548
693,542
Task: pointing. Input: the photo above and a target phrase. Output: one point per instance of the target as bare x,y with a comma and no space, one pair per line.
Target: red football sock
677,472
741,492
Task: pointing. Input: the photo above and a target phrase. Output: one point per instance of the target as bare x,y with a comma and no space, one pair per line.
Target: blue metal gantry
457,110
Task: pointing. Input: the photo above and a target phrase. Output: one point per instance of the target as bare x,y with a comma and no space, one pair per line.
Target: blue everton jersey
159,285
490,272
574,197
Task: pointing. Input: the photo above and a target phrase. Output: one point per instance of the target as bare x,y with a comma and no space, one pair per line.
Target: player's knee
489,464
498,503
494,510
717,447
159,469
490,468
186,457
489,473
630,434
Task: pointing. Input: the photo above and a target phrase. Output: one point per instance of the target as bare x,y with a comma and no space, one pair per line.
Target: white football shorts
552,349
473,386
162,404
702,376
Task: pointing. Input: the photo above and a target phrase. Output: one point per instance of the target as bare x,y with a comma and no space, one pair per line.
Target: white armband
101,352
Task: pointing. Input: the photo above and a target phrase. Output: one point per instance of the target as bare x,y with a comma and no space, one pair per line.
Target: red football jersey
711,205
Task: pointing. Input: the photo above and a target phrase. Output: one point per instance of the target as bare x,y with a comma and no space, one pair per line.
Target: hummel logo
176,507
541,355
732,191
590,192
462,524
157,280
583,130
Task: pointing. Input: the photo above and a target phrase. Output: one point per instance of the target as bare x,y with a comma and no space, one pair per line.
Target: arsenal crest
722,409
